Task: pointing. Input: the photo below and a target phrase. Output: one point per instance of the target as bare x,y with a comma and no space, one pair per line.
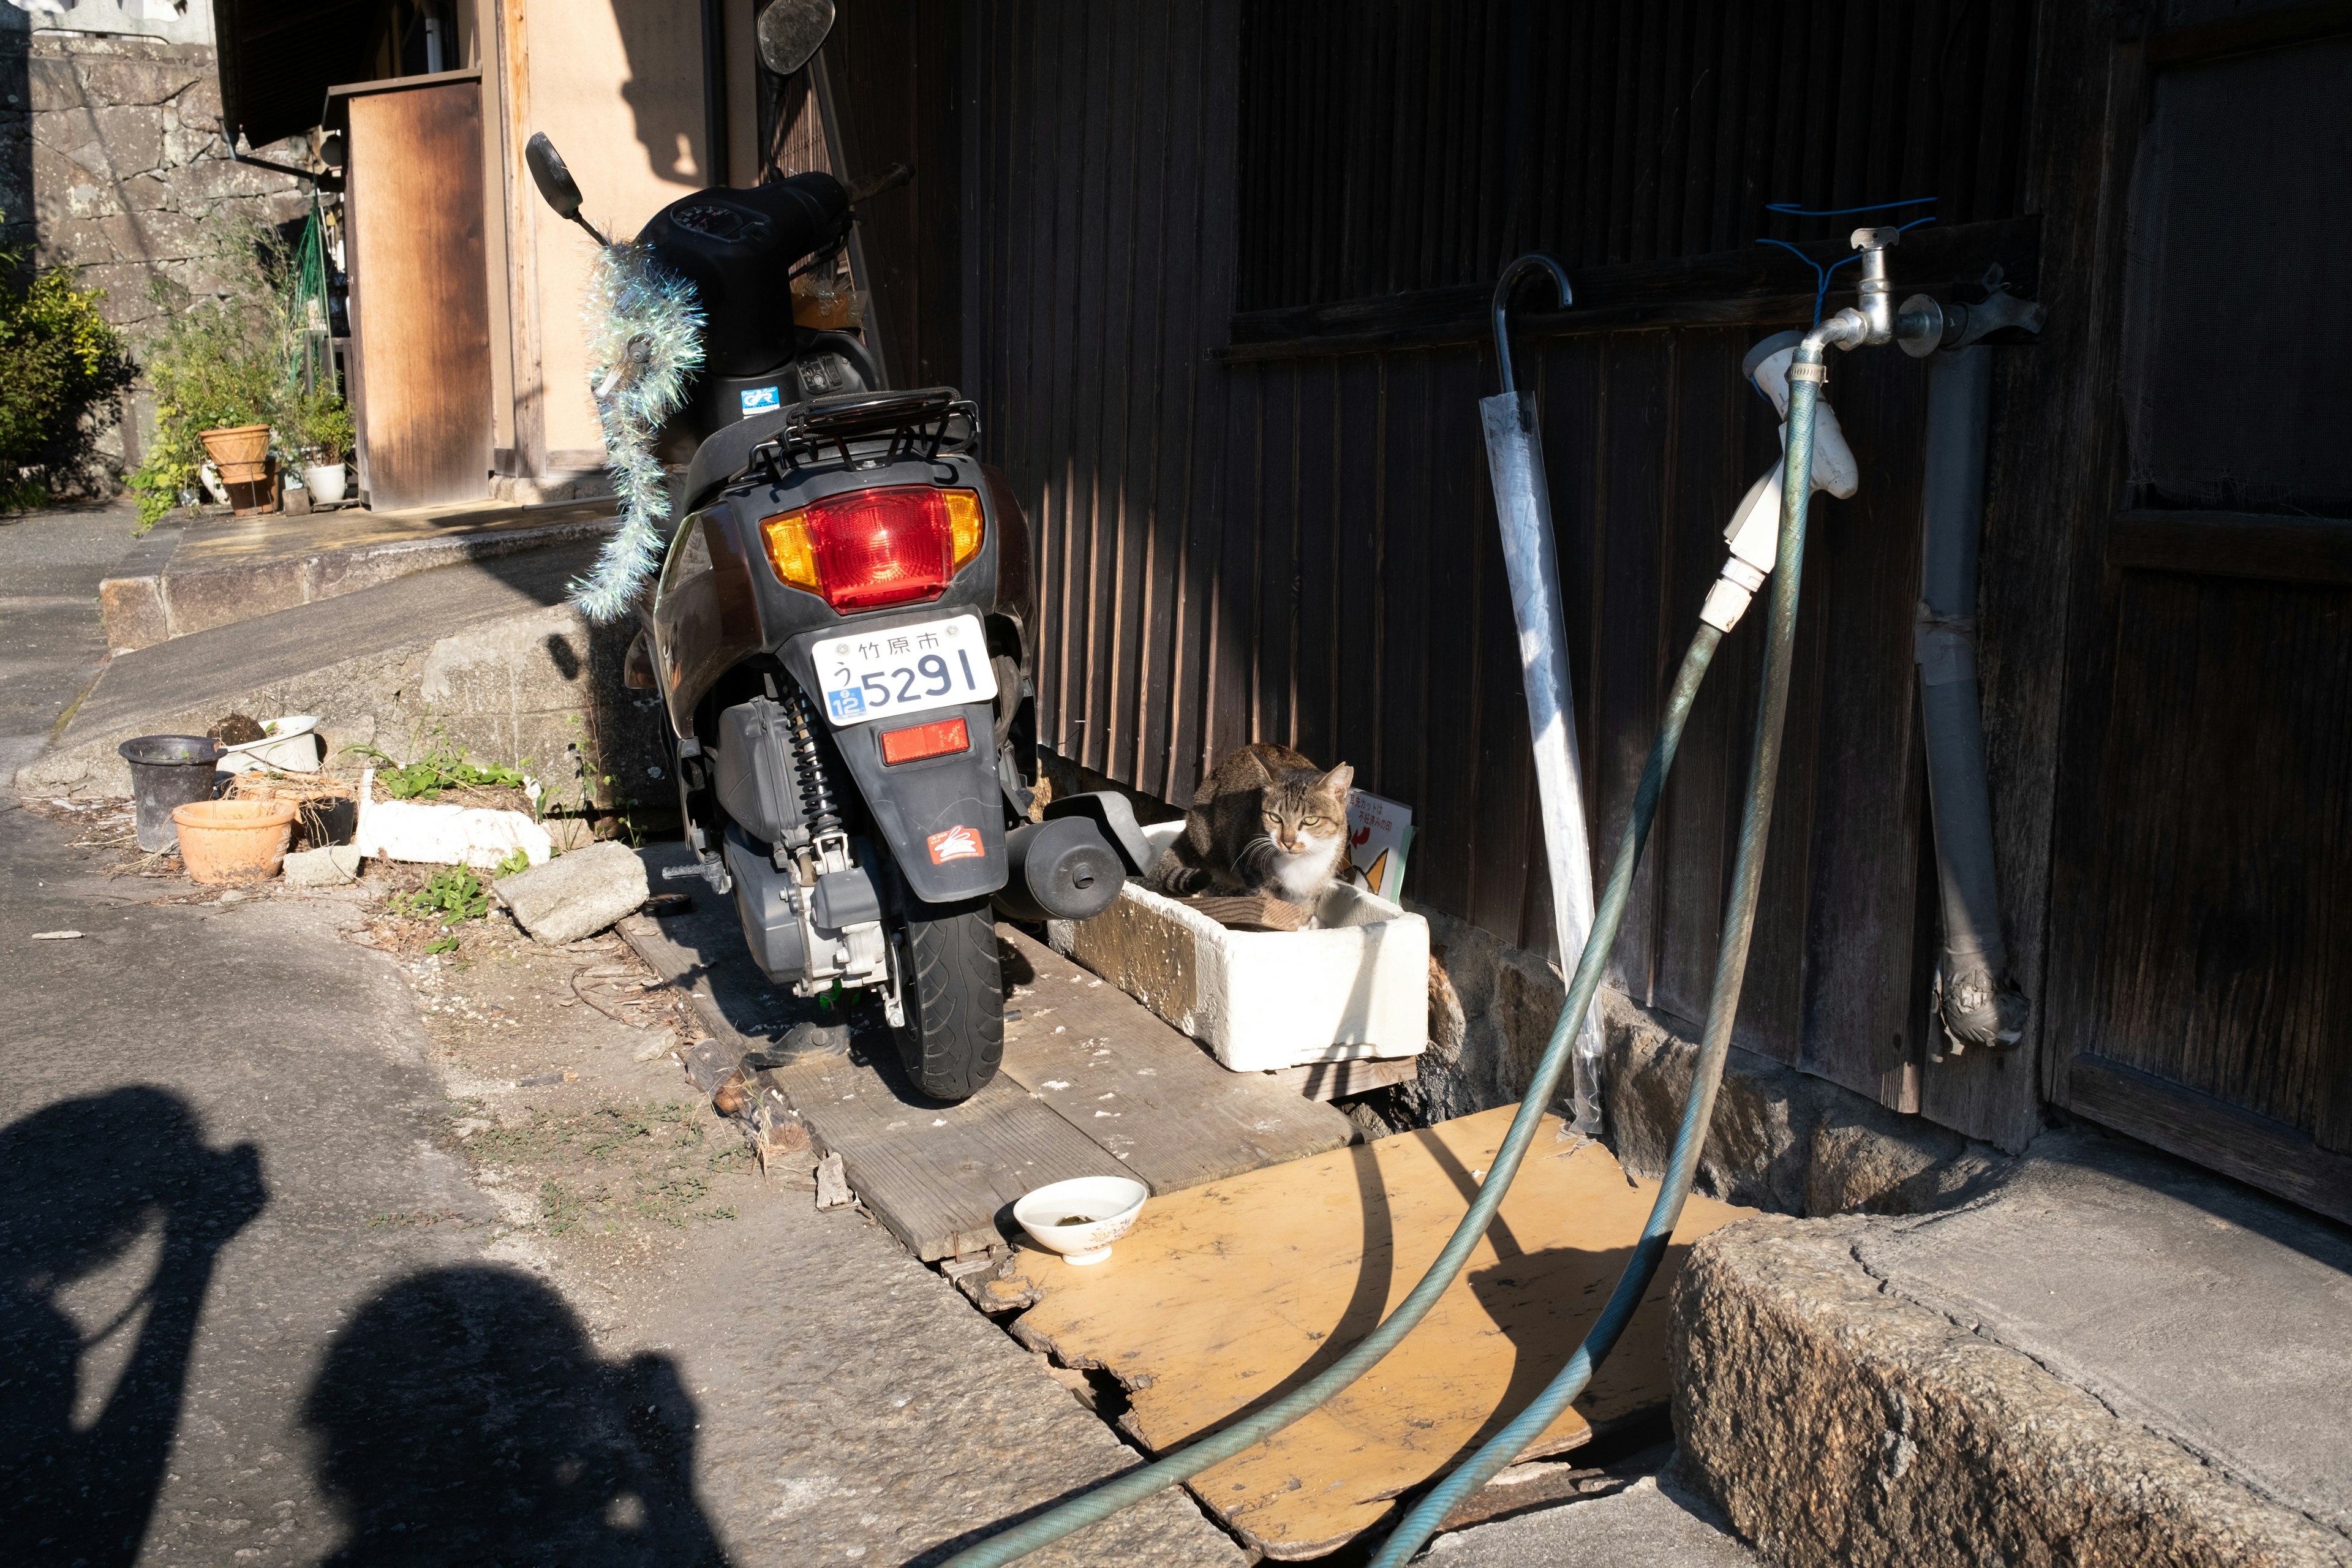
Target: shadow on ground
463,1418
83,1182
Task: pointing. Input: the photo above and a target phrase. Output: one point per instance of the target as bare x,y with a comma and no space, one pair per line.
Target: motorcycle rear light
865,549
920,740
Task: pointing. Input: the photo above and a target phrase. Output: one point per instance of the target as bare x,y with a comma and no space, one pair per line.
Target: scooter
841,634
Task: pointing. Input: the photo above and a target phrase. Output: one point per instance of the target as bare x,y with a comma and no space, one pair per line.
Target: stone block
132,136
132,611
1781,1139
576,895
125,284
1837,1422
136,81
145,192
153,235
52,85
74,133
213,178
199,108
85,241
198,601
327,868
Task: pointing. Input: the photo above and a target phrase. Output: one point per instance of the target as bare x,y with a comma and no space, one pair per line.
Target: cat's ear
1342,779
1253,771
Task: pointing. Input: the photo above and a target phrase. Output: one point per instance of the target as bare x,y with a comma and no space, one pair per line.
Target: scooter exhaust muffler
1062,869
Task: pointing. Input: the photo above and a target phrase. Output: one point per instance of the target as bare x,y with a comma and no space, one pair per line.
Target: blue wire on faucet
1821,273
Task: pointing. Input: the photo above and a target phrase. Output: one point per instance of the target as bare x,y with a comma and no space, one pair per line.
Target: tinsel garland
645,343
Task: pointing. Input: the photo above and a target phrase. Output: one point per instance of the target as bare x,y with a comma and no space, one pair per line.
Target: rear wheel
954,989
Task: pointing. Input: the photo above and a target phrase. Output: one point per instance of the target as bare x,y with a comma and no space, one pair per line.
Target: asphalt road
52,644
257,1307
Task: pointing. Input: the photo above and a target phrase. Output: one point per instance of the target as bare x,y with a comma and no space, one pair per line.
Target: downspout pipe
1976,1002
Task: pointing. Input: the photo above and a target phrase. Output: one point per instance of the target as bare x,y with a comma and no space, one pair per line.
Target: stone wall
126,161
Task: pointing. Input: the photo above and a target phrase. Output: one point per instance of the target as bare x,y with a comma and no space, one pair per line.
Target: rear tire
953,985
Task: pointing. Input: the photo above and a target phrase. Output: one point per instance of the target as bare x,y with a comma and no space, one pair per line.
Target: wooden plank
1153,1099
2315,550
2254,1149
1336,1080
1226,1294
423,400
2278,27
941,1178
1724,287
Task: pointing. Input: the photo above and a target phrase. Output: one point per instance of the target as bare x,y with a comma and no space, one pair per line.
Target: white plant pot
209,477
325,482
1356,986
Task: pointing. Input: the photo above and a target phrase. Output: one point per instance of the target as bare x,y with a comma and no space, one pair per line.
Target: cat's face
1306,814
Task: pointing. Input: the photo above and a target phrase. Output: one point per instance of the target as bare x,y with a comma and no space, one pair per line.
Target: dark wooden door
2201,952
420,291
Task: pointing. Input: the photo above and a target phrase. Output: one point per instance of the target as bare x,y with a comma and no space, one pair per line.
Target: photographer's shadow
464,1417
82,1183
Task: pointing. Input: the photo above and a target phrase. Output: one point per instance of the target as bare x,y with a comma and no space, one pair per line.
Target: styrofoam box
1356,986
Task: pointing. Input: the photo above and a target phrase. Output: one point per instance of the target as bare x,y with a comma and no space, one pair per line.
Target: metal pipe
1531,561
714,92
1976,1002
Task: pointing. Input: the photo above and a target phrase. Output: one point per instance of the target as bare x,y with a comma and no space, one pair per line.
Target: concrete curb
150,600
1837,1422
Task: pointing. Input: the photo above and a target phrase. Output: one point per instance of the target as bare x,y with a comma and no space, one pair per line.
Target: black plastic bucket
167,771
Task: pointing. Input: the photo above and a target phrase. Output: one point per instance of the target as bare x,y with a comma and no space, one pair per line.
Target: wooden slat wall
1608,130
894,66
1305,550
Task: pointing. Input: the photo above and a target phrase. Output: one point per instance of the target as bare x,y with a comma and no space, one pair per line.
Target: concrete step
219,570
1654,1523
486,653
2107,1357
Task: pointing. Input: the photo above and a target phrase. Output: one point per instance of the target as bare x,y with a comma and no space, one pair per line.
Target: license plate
906,669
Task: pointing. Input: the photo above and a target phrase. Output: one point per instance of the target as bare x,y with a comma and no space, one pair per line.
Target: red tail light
870,548
919,741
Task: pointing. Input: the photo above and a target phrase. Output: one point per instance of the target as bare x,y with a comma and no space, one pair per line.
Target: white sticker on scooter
871,674
760,400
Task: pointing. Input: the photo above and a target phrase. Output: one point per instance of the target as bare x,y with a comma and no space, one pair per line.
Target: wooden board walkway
1153,1098
1093,1084
1231,1293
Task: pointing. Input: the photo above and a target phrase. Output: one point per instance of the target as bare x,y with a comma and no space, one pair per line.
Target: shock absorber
820,804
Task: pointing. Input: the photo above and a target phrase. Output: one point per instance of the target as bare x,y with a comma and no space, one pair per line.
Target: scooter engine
810,906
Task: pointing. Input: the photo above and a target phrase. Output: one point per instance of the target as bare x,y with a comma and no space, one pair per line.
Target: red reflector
912,745
882,547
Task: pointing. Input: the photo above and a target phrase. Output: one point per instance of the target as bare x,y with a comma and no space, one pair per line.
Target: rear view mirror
554,181
791,33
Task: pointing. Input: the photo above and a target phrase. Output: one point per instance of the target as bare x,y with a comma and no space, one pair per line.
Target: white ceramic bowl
1105,1208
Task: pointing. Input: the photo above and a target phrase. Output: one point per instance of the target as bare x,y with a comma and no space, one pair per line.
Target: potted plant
216,367
319,425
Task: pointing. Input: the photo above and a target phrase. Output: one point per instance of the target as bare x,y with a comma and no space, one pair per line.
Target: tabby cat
1265,822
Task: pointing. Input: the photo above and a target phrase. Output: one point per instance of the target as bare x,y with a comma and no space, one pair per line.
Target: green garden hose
1123,1491
1723,1006
1133,1487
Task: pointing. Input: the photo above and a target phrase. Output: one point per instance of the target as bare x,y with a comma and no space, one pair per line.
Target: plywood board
1230,1293
941,1178
1114,1070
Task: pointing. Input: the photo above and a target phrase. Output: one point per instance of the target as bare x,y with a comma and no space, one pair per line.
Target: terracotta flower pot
233,840
236,444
